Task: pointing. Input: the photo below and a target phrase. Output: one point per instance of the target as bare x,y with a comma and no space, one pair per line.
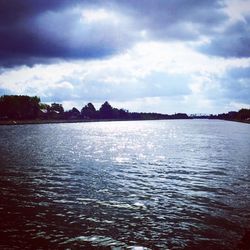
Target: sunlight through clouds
151,70
99,15
237,10
167,54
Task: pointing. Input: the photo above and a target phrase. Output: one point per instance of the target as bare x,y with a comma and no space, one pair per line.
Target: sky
162,56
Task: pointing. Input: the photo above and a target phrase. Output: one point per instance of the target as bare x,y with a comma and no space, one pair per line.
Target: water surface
181,184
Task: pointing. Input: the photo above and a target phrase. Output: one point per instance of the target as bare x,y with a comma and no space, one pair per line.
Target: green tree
57,108
89,111
106,111
19,107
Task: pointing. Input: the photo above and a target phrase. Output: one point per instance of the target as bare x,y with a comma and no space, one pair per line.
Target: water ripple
125,185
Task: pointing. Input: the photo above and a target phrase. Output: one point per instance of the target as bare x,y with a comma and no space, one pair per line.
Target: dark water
125,185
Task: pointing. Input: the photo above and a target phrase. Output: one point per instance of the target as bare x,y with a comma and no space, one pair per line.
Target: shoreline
27,122
30,122
241,121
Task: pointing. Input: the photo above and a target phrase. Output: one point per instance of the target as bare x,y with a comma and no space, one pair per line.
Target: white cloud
237,105
237,9
100,15
151,76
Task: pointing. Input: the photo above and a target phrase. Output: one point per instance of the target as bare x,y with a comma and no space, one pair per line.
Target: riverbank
242,121
26,122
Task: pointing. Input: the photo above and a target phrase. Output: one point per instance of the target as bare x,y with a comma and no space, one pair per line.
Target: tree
243,114
74,113
123,114
106,111
44,106
89,111
19,107
56,107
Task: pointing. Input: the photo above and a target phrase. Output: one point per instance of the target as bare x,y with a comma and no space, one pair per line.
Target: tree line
241,115
20,107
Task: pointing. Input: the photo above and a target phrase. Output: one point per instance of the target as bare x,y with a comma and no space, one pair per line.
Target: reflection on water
125,185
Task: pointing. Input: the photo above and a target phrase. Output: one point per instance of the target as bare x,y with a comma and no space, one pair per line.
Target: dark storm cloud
12,11
44,30
25,46
39,31
233,42
176,19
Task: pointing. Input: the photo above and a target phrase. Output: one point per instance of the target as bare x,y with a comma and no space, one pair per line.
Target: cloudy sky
143,55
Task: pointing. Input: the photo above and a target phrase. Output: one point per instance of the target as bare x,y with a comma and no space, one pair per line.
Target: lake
173,184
